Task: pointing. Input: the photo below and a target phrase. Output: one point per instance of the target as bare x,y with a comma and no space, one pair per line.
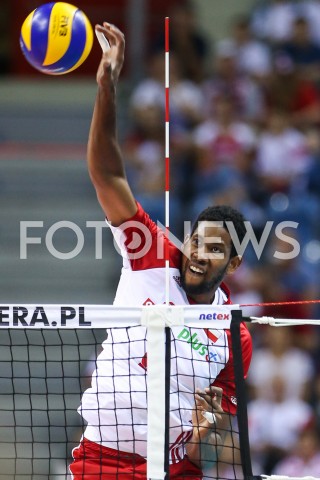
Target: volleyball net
136,402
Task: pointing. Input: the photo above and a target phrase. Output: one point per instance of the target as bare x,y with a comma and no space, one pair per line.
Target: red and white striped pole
167,162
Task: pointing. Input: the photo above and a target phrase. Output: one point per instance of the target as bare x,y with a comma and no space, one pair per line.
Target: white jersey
115,406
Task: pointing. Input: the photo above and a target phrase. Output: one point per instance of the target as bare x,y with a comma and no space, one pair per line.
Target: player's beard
206,285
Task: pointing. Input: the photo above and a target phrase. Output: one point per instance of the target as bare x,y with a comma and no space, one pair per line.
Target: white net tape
108,316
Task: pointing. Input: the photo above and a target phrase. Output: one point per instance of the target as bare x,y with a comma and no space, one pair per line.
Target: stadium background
43,133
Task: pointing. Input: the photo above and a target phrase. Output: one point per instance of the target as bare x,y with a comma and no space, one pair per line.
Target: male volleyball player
202,390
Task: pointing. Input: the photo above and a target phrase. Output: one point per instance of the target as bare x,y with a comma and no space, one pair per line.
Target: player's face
206,260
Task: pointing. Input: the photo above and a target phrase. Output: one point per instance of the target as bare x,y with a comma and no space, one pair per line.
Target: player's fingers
213,400
115,30
215,393
202,402
218,391
115,36
119,40
104,43
206,411
107,33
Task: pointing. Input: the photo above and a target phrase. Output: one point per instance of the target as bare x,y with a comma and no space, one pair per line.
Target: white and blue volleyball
56,38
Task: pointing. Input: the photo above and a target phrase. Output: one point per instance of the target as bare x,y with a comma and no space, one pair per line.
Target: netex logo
198,346
215,316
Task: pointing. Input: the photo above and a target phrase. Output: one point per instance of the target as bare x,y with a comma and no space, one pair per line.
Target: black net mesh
44,374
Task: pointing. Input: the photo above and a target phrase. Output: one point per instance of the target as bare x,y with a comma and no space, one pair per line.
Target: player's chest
198,353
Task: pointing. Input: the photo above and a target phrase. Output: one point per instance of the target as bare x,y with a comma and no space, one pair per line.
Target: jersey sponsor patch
148,302
197,345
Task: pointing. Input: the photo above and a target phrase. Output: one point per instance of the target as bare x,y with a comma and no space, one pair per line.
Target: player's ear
234,264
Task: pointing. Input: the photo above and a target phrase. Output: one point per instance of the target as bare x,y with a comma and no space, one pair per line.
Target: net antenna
167,158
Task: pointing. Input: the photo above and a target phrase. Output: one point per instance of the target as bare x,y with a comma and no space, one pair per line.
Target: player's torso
119,385
147,287
197,357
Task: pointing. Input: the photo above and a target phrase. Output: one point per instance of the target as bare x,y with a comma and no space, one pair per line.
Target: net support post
242,414
156,318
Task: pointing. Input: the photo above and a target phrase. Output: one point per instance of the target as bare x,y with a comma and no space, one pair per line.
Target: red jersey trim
152,238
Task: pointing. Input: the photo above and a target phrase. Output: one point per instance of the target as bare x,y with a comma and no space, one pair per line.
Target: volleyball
56,38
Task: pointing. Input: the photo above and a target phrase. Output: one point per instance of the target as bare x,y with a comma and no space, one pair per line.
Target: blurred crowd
244,130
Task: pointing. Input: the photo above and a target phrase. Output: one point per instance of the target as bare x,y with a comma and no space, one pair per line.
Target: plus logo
196,345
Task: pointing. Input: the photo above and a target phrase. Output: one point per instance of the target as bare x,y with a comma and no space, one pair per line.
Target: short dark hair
223,213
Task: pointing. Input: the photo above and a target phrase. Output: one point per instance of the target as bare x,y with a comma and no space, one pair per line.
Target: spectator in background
313,173
309,195
315,397
273,21
245,291
282,154
187,102
310,9
293,281
275,422
226,80
150,90
303,51
304,459
186,111
224,150
253,56
187,41
290,91
144,152
224,147
279,357
282,166
287,279
186,98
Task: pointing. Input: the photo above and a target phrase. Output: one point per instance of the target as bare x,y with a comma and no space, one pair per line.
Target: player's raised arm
105,162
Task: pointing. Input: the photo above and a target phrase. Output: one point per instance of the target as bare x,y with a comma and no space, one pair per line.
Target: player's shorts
95,462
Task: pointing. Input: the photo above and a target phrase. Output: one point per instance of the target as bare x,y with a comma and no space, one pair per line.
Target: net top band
53,316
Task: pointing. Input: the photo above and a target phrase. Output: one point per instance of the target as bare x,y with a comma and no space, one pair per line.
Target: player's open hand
207,413
112,42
